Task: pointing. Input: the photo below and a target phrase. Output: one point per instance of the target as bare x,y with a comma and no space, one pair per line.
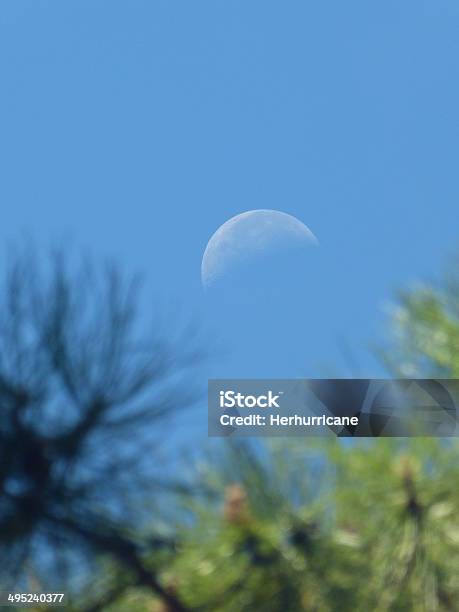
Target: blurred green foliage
425,332
380,531
320,526
329,525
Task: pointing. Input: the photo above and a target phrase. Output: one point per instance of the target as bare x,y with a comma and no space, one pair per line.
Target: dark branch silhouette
83,392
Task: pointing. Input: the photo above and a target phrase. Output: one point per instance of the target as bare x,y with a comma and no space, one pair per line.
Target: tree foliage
83,391
327,527
333,525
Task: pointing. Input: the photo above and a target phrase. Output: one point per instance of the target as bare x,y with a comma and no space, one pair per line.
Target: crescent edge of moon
257,228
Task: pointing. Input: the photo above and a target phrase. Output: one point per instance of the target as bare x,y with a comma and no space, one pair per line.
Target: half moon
248,235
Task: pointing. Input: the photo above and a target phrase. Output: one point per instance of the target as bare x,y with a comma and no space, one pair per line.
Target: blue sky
139,127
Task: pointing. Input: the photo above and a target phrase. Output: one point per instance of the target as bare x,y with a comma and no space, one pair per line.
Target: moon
248,235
